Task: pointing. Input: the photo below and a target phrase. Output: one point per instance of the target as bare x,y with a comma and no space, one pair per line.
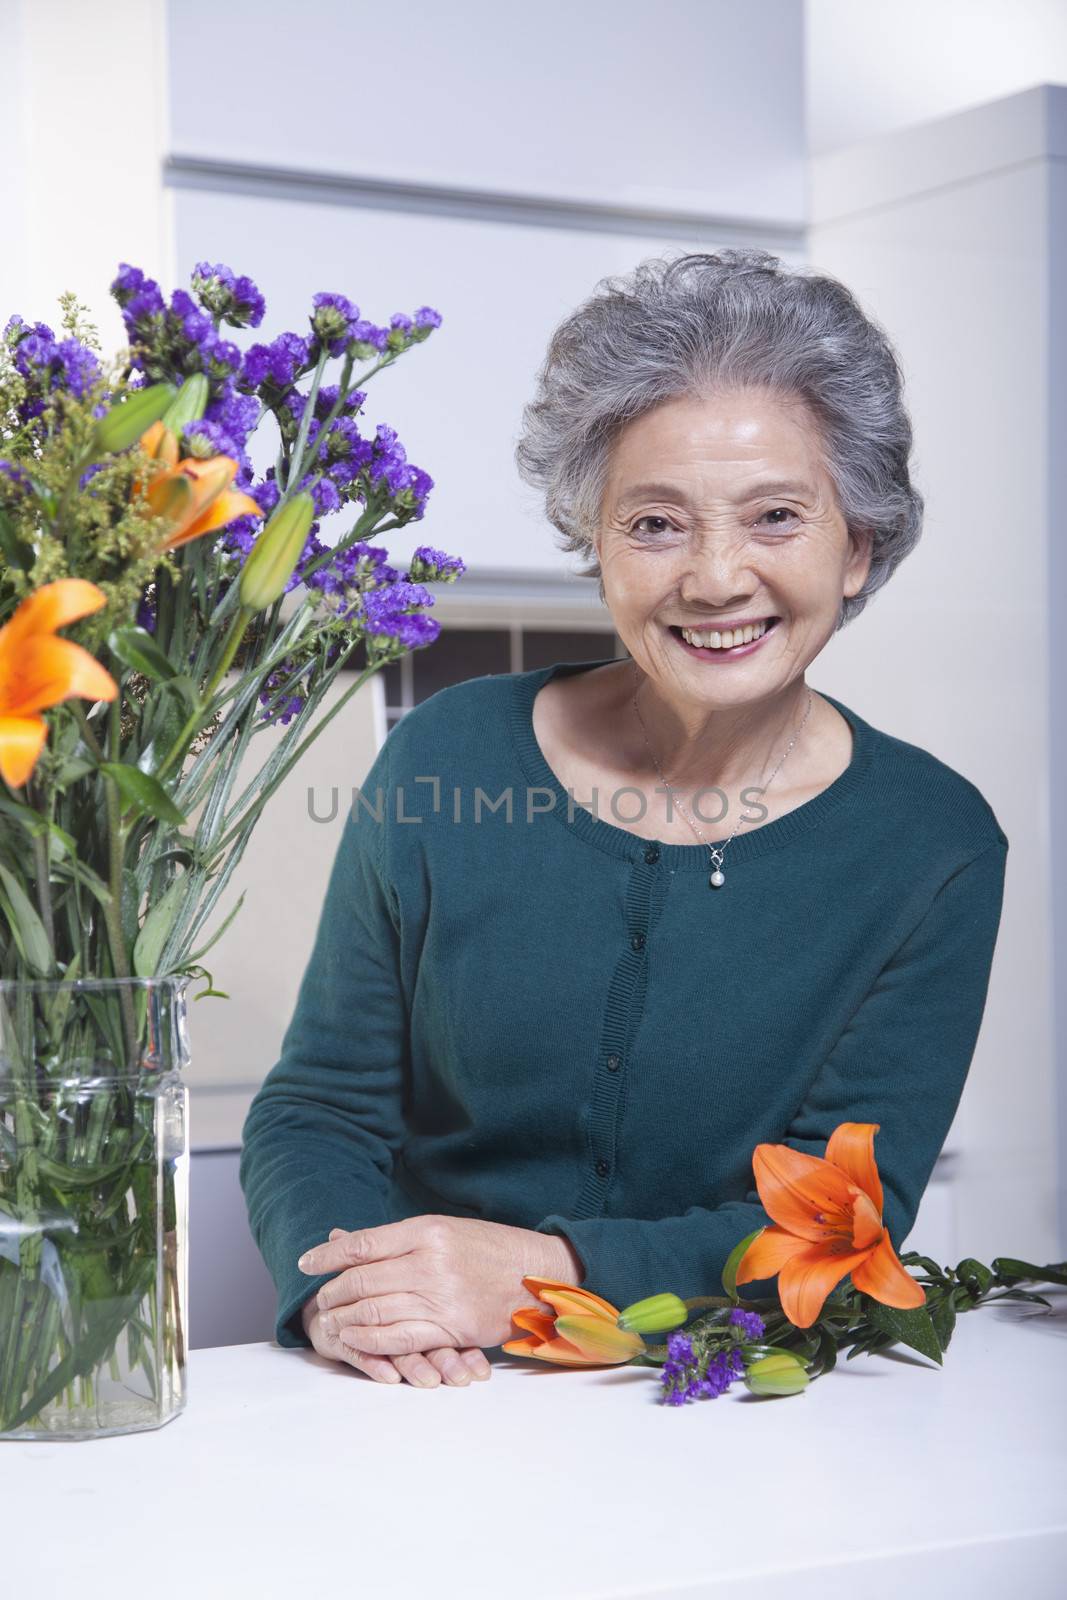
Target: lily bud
782,1373
188,405
275,553
124,423
655,1314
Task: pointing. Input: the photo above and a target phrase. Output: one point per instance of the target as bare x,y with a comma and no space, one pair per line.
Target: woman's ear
861,542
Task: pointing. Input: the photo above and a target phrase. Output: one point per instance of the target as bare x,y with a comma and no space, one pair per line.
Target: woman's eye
662,520
784,510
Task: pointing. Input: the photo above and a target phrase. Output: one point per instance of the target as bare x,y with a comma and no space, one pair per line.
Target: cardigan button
652,854
637,942
602,1168
612,1063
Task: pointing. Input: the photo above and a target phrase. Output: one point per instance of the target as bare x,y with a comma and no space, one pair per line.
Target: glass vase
94,1184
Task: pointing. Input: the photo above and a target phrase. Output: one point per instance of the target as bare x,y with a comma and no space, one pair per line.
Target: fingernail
326,1322
304,1262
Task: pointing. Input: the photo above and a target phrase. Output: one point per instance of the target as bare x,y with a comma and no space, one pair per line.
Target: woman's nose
718,572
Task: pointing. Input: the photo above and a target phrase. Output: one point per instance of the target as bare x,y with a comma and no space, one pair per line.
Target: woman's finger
380,1368
479,1364
394,1338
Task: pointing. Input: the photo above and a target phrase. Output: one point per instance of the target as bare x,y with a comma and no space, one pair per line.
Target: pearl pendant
717,879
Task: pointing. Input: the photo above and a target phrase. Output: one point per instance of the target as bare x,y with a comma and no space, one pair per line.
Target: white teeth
726,639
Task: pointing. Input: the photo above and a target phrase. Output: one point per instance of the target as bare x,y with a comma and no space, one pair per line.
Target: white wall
83,122
872,68
696,105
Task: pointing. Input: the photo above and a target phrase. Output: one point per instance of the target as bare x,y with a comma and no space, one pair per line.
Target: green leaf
136,648
914,1259
733,1261
185,686
16,552
144,792
912,1327
157,925
943,1317
1009,1268
220,930
976,1276
27,929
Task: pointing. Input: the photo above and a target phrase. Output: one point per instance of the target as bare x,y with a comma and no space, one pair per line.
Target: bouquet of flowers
160,606
827,1225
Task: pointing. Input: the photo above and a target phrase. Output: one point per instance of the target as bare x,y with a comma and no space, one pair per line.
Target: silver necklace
718,877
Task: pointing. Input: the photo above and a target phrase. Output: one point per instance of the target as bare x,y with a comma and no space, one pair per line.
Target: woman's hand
431,1282
425,1371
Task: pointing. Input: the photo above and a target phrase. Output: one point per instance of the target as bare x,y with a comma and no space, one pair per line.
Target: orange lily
38,670
827,1212
583,1332
192,497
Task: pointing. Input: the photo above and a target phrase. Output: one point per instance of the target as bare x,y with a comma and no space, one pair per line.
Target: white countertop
288,1473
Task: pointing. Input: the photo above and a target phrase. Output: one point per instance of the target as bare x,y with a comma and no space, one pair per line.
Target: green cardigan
540,1019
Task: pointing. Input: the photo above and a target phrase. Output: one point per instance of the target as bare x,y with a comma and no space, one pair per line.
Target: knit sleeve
901,1062
321,1134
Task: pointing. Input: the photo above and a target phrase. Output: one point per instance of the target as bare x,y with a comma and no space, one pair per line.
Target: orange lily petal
21,739
807,1278
51,606
866,1227
226,507
172,496
883,1276
557,1350
768,1253
851,1147
599,1340
569,1296
805,1194
49,670
160,443
540,1322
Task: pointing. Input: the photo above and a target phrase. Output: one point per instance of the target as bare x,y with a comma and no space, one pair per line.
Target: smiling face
716,510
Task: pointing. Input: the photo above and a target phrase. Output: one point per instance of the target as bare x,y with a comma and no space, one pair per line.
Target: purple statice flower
236,415
144,312
367,339
750,1323
204,439
682,1378
187,318
326,399
229,298
426,318
274,365
289,706
324,494
47,363
333,321
130,281
146,614
388,614
15,475
78,367
433,566
345,453
351,568
219,358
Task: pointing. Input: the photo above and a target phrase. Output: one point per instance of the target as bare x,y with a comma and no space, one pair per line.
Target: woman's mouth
701,642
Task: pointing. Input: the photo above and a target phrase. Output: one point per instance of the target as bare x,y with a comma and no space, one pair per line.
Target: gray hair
702,323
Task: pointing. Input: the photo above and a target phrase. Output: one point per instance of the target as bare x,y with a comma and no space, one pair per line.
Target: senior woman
620,922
